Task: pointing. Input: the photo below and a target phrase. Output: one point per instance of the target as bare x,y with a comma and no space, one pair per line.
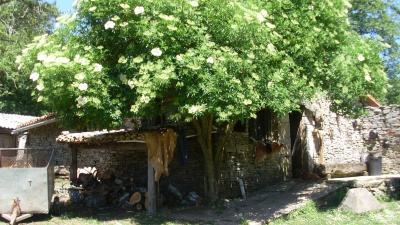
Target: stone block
346,169
360,200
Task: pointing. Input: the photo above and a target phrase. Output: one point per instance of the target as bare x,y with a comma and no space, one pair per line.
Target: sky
63,5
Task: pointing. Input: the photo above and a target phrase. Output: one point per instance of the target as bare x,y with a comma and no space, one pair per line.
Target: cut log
139,207
135,198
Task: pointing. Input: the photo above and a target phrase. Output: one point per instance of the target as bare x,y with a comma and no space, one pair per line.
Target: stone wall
380,130
130,159
240,162
334,140
45,137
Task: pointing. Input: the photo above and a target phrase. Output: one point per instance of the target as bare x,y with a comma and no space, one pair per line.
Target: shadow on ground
263,206
331,200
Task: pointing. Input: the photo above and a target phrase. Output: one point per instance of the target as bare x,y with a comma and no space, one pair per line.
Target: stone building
31,137
128,155
380,131
336,145
314,141
125,152
9,122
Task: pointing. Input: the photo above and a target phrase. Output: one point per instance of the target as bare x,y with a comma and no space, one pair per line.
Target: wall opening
297,167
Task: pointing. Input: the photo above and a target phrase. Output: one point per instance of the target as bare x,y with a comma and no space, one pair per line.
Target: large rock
360,200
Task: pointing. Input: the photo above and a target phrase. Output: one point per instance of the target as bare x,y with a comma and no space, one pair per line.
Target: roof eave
39,124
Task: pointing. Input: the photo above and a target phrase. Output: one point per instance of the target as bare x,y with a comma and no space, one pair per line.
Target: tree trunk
212,157
212,192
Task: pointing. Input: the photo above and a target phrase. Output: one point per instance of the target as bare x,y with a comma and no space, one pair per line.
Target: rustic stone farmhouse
124,153
314,142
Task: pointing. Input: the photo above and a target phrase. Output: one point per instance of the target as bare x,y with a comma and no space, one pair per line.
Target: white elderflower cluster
138,10
193,3
34,76
81,101
156,52
195,109
83,86
109,25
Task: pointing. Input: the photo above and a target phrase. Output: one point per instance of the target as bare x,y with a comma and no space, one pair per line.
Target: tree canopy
189,58
207,62
20,22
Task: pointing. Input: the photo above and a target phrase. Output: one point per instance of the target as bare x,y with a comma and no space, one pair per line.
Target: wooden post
74,164
151,190
21,153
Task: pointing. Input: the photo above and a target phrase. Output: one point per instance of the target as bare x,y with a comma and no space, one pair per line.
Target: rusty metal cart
26,176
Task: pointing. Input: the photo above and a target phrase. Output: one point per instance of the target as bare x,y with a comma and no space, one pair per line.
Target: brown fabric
161,147
319,145
263,150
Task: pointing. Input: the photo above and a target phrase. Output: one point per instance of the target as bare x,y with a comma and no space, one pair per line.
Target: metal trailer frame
33,187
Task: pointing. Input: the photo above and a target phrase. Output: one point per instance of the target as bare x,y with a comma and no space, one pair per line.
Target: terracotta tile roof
12,121
36,120
369,100
100,137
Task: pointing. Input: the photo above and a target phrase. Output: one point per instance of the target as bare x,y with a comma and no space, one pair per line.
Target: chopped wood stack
100,137
110,190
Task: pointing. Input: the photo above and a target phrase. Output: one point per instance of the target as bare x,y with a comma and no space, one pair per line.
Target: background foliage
380,20
20,21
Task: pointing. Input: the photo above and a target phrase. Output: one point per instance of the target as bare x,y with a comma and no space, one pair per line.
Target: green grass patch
97,217
316,214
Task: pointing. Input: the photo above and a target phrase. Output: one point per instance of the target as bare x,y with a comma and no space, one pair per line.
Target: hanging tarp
161,147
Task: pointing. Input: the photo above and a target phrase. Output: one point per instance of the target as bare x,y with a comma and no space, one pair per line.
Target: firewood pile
107,189
98,190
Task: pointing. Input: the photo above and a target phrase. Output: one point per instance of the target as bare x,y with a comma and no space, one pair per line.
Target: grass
317,213
103,217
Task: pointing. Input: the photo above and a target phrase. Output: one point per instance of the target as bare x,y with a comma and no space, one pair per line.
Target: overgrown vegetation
20,22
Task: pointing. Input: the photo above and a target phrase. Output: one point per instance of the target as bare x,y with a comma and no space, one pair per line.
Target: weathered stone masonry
381,133
334,140
130,159
45,137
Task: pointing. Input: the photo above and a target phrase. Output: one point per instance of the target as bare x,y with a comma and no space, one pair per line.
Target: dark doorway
261,127
297,167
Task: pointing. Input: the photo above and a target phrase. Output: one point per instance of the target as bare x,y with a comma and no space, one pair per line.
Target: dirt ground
260,207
